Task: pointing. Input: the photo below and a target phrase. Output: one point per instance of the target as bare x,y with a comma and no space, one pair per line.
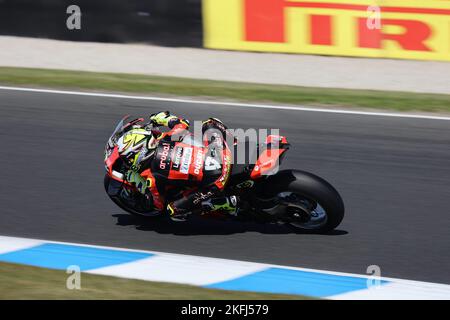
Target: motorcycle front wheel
129,200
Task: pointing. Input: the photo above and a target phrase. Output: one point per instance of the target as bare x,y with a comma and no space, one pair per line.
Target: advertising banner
406,29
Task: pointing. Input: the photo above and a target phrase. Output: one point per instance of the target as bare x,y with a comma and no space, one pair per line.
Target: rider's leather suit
179,162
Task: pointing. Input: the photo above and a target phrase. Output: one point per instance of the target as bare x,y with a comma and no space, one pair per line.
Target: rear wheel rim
318,215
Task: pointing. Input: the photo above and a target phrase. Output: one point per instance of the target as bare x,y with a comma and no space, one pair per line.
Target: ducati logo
198,164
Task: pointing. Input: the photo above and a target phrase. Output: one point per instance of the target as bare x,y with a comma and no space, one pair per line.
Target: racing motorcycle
296,198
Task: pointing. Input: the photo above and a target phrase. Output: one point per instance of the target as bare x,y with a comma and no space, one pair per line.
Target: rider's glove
162,118
137,180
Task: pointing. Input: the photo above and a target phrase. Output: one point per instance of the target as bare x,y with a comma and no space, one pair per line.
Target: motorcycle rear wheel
311,194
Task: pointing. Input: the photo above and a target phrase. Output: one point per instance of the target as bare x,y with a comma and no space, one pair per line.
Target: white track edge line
234,104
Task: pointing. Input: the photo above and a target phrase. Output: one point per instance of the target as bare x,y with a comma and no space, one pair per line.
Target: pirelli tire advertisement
404,29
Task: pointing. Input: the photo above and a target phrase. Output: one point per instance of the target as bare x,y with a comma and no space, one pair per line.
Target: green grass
25,282
129,83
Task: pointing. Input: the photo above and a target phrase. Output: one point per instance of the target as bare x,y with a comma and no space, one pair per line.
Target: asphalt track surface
393,174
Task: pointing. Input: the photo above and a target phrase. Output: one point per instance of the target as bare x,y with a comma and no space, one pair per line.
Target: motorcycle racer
160,161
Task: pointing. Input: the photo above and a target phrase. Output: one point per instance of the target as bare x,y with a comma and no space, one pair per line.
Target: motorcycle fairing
270,158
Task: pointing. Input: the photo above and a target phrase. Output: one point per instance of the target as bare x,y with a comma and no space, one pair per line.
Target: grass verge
129,83
26,282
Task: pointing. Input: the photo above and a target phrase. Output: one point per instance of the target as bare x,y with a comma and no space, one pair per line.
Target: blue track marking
278,280
60,256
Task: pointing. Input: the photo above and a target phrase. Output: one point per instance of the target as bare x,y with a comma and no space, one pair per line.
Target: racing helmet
137,145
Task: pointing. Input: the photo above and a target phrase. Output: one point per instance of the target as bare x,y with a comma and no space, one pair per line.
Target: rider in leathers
205,169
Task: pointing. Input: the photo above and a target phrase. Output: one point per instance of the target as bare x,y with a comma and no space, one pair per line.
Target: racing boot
226,205
177,214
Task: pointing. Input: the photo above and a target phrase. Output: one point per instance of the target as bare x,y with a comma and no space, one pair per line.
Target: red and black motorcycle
297,198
